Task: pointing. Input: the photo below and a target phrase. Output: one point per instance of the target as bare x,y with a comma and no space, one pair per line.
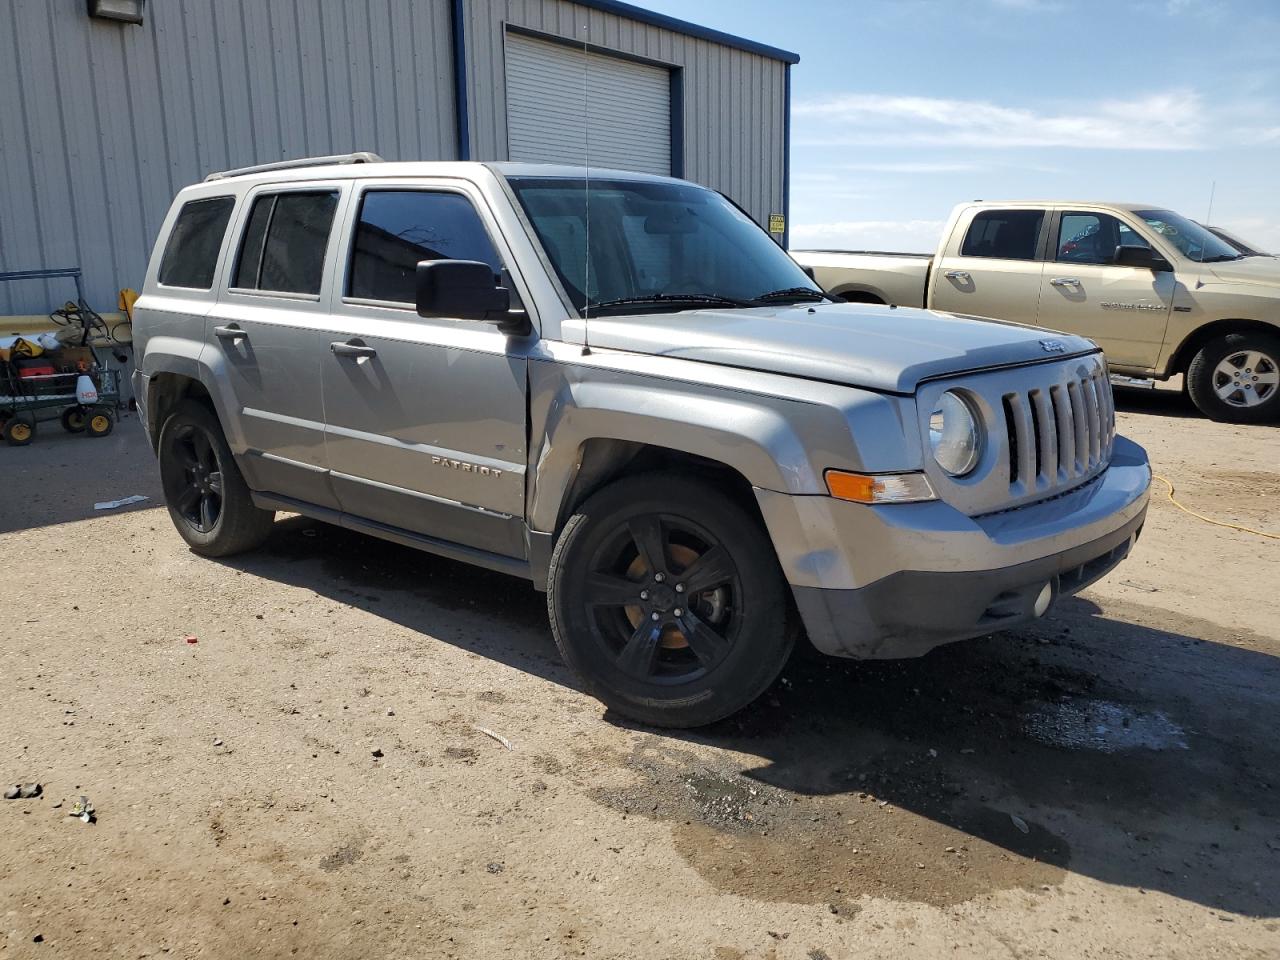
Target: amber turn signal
879,487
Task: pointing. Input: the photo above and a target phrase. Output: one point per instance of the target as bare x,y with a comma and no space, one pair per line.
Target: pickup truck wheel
666,598
1236,378
208,499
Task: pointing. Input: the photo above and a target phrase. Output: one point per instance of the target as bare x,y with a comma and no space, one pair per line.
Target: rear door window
191,253
398,228
284,242
1004,234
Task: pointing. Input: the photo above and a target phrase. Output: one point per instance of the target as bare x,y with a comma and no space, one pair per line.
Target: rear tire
208,500
19,430
666,599
1236,378
74,419
99,421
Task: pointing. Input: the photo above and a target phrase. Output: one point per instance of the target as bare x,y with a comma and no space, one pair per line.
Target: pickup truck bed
869,276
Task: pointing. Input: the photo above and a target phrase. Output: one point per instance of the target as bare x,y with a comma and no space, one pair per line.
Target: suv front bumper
882,582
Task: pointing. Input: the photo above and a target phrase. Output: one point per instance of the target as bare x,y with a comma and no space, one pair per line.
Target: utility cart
64,380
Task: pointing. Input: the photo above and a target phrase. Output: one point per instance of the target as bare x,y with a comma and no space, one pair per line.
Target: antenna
586,189
1213,187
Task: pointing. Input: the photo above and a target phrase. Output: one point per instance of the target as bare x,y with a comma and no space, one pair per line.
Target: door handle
352,348
1065,282
958,275
232,333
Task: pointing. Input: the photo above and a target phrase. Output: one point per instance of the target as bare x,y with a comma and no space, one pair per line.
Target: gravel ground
309,777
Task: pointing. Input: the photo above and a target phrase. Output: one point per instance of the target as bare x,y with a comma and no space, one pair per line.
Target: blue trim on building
462,118
633,12
786,160
677,122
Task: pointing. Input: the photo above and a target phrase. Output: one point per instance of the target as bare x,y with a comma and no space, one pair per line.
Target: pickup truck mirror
466,290
1138,256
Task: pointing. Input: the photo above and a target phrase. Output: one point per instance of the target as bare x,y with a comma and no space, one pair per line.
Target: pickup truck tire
1236,378
666,599
207,497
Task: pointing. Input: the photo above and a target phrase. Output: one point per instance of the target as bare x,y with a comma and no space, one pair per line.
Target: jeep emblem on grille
1053,346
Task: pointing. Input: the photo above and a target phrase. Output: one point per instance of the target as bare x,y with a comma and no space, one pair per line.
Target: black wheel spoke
188,500
713,569
203,449
638,655
650,541
707,645
606,590
215,483
186,452
208,512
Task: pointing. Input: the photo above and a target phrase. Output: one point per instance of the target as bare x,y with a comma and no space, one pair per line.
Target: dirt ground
310,777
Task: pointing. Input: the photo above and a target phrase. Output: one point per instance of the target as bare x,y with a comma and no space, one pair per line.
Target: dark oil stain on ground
925,780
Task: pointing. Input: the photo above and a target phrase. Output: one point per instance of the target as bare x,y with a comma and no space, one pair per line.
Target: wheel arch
165,391
1196,340
859,293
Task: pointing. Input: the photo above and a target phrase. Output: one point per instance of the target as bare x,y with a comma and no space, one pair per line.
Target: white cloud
910,236
1160,121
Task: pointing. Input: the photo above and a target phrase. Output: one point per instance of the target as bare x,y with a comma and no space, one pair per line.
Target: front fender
778,443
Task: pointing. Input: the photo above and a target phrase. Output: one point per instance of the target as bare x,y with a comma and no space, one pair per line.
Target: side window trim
353,225
241,226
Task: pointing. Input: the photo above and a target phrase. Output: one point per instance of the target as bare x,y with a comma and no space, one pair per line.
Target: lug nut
654,616
678,612
659,577
680,586
644,594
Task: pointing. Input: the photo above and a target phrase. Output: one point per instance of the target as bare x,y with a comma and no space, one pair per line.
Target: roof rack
363,156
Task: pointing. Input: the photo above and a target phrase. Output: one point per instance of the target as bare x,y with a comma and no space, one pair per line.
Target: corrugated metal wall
735,101
101,123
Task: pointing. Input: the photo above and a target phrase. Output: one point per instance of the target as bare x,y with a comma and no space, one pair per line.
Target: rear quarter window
191,253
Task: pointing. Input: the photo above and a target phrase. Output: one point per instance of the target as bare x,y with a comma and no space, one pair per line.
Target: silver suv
618,387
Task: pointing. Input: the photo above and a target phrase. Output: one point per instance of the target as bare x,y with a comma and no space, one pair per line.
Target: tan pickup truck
1159,293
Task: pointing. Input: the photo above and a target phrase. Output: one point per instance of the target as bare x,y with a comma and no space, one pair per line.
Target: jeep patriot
618,387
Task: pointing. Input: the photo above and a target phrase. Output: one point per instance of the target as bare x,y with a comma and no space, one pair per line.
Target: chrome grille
1059,435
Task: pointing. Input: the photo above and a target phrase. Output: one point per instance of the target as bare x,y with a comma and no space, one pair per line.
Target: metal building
102,121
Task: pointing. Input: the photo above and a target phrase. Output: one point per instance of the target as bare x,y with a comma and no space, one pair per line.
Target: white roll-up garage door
566,105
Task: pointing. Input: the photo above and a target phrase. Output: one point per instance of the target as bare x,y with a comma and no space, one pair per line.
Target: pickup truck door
995,269
424,418
266,337
1125,310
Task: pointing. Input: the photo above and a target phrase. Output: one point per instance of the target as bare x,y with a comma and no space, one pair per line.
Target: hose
1216,523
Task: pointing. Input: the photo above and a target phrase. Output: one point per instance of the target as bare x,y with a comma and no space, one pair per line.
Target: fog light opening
1043,600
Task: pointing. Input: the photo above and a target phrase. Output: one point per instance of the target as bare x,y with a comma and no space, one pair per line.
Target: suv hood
1256,270
861,345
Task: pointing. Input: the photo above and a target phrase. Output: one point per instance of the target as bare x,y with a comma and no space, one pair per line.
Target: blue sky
903,108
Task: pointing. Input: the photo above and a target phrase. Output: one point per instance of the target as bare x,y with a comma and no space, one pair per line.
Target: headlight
955,435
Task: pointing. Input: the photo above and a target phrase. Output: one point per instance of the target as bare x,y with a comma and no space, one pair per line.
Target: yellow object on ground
1216,523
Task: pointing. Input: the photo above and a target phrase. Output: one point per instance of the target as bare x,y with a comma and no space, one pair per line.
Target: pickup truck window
1003,234
1093,238
625,245
191,255
1192,240
284,242
397,228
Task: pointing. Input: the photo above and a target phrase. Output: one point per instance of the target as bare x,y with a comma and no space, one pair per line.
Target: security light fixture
126,11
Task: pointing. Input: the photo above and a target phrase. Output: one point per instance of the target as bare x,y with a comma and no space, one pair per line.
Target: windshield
656,245
1192,240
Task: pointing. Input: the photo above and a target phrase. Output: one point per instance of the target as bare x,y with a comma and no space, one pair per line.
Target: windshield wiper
706,299
794,293
1223,258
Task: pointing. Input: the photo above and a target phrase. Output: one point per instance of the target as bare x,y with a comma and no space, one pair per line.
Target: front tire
667,600
208,500
1236,378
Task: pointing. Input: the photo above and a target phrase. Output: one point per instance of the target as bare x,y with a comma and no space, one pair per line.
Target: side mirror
466,290
808,272
1136,256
